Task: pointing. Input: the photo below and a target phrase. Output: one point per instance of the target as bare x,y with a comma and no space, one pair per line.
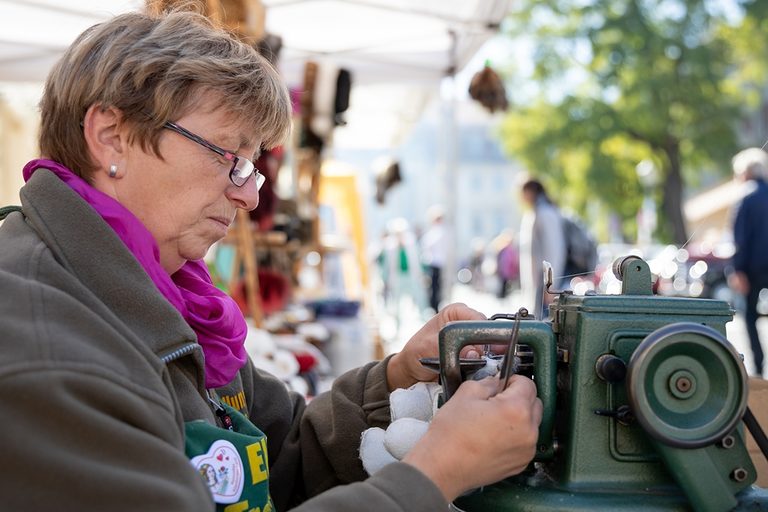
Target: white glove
411,411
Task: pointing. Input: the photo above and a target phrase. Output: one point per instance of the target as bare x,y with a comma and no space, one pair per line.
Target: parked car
701,271
695,271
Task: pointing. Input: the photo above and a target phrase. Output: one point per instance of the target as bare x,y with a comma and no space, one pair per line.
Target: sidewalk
737,335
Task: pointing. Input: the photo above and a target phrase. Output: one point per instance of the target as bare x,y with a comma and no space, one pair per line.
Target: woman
541,239
119,358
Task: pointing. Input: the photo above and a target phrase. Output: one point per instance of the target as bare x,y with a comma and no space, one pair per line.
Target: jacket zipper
226,419
179,352
221,413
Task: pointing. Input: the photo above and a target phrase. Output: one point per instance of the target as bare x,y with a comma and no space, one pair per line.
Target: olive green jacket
98,373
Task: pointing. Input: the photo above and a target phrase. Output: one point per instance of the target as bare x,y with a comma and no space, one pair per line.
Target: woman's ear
104,136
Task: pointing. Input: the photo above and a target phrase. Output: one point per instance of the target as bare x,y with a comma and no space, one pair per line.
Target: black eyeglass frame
242,168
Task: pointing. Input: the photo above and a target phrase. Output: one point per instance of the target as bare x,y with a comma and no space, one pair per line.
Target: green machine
644,401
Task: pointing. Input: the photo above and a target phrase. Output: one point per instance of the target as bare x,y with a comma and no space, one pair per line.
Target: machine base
513,497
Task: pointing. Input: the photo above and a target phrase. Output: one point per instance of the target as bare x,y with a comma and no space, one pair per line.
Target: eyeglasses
242,168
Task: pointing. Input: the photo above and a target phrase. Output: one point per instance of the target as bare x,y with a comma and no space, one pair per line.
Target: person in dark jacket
126,385
750,236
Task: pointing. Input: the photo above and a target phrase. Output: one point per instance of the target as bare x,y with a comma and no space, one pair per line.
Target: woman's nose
245,197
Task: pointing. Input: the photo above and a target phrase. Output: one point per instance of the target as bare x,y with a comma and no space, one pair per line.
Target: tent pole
450,183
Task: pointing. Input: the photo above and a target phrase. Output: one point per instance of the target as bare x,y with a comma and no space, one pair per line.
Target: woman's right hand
478,438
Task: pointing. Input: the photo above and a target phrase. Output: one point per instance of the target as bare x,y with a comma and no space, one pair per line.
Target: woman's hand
404,369
478,438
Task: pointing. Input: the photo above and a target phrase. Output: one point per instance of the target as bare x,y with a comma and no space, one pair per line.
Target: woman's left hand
404,369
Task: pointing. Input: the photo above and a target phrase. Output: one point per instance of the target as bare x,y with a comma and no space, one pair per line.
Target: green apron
233,462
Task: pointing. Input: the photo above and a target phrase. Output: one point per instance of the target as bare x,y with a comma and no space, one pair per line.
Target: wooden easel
249,244
245,257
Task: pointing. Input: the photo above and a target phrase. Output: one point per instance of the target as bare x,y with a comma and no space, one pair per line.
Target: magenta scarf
211,313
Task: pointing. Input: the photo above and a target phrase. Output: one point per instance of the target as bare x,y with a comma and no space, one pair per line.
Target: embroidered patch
222,470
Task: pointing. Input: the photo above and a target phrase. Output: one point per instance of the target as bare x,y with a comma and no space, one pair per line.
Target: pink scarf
211,313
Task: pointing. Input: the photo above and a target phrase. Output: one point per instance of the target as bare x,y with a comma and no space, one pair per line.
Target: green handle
537,335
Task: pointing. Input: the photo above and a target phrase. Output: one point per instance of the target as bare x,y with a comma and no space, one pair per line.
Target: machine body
643,400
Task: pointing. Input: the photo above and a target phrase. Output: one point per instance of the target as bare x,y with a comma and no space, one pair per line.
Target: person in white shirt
434,250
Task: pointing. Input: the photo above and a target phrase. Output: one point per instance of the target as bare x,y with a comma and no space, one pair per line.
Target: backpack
581,248
509,263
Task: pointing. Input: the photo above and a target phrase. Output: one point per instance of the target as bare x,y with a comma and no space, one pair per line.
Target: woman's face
186,199
529,198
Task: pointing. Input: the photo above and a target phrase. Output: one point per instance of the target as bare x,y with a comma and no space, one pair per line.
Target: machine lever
623,414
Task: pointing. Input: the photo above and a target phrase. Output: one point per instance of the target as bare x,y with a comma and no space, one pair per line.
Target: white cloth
411,411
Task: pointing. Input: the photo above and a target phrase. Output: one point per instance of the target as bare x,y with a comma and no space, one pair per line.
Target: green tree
619,82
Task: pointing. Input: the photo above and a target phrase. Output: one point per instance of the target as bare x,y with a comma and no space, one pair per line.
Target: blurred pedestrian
507,261
434,250
475,264
750,236
541,239
400,262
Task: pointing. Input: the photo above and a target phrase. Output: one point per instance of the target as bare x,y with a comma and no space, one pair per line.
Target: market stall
356,69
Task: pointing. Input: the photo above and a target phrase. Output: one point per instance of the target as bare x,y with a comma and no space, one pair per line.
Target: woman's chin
194,254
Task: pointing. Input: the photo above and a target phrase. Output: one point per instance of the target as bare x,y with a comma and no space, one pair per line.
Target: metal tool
508,367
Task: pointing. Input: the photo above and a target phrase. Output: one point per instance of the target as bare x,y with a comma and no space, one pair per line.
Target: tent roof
406,45
34,33
385,40
380,40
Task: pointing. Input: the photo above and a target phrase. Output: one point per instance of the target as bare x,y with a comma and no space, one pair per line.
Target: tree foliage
622,81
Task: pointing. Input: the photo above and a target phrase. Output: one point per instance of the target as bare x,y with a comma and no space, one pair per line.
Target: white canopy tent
398,51
381,41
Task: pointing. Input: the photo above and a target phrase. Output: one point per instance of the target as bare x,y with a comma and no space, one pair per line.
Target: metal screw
683,384
739,474
728,442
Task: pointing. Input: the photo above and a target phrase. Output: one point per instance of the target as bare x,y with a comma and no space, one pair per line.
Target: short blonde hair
153,68
751,162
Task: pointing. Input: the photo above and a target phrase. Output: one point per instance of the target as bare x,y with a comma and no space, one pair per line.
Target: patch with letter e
233,463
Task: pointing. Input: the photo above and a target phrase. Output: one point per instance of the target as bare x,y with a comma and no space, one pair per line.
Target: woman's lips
222,223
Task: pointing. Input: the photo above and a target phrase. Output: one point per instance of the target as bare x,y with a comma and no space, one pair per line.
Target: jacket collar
88,248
